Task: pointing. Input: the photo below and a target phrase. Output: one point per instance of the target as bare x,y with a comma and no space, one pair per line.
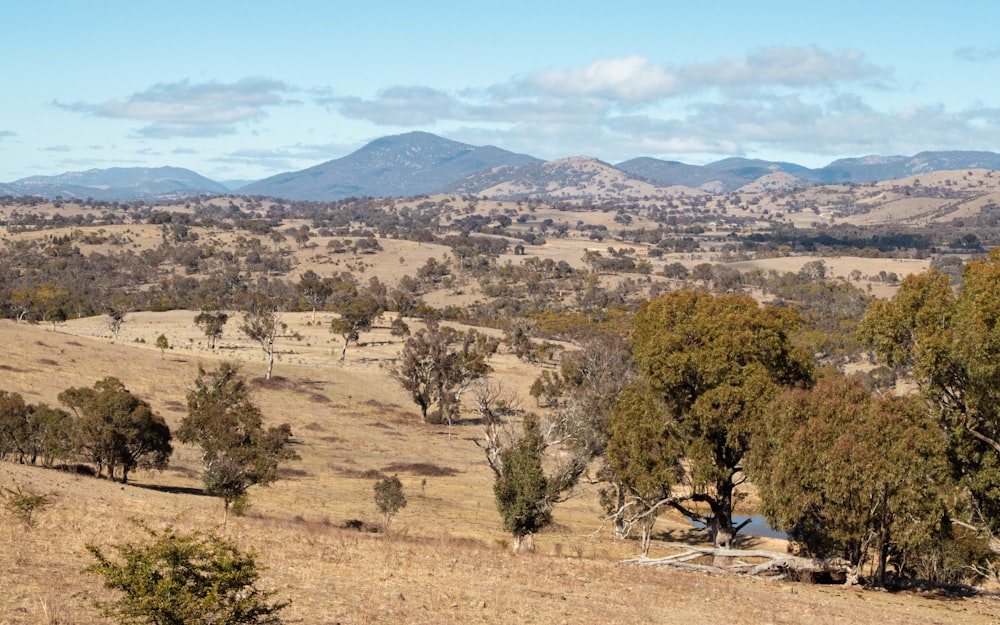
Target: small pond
756,527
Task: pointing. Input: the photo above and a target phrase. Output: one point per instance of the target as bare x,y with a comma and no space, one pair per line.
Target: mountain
404,165
419,163
719,177
117,184
734,173
875,168
568,178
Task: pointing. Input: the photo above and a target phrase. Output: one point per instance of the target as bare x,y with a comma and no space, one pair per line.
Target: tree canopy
181,578
950,344
116,429
851,475
716,362
237,450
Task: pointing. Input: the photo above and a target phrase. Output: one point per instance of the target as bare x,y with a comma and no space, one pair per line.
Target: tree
716,362
13,425
162,344
211,323
237,451
261,323
583,393
314,289
524,491
33,431
118,312
950,345
851,475
357,314
180,578
116,429
521,489
438,363
643,459
389,497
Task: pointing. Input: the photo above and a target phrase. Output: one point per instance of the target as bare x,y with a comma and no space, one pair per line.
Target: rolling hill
117,184
418,163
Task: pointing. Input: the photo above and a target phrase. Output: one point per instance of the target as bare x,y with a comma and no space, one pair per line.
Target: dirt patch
422,469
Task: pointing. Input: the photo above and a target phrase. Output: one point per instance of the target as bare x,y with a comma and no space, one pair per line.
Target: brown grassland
445,558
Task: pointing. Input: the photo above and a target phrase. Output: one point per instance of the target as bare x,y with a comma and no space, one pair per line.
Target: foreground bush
180,579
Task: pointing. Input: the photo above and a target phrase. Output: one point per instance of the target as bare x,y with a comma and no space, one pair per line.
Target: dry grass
446,559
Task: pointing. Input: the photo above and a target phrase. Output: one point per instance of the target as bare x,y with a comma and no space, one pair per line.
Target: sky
245,90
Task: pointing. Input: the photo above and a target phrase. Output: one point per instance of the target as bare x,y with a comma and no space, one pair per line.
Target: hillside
578,178
420,163
352,423
117,184
403,165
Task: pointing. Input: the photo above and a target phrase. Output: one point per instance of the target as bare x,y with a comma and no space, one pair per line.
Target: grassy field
446,558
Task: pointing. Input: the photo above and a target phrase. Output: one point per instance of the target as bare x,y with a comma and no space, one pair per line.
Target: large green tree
237,450
950,344
716,362
851,475
117,430
314,290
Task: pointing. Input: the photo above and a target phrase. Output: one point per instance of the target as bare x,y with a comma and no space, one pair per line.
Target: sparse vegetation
474,278
184,578
24,504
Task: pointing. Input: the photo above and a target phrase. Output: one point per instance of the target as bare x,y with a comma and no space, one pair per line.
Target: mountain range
419,163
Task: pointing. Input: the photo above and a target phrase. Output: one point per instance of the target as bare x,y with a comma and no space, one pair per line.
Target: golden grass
446,559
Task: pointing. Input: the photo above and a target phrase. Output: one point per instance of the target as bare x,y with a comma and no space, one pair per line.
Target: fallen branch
751,563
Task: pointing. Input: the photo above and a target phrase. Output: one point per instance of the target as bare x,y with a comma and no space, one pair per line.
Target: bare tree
262,323
525,491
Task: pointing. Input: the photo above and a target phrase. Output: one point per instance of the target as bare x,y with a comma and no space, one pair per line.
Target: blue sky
243,90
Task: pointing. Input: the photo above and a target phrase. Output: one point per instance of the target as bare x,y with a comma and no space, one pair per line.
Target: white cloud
630,79
183,109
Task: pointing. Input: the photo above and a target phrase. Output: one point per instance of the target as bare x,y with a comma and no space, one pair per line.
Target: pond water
756,527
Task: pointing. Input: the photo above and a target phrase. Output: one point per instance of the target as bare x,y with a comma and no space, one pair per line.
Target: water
756,527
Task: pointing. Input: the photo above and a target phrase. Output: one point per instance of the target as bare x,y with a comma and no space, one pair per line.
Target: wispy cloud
803,99
975,54
185,109
7,134
638,79
290,157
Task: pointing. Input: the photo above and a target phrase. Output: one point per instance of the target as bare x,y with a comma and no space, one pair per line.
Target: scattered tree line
107,430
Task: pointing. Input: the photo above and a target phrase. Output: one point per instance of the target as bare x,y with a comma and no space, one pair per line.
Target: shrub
184,578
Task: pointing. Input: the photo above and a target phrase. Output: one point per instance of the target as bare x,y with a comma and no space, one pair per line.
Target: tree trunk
721,523
270,363
619,531
524,543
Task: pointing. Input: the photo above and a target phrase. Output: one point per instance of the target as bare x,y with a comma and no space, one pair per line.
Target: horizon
225,181
261,90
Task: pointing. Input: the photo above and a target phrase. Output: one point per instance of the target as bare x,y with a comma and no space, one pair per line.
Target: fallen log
753,563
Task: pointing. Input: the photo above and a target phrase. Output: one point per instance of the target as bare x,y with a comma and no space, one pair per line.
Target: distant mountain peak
117,184
409,164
